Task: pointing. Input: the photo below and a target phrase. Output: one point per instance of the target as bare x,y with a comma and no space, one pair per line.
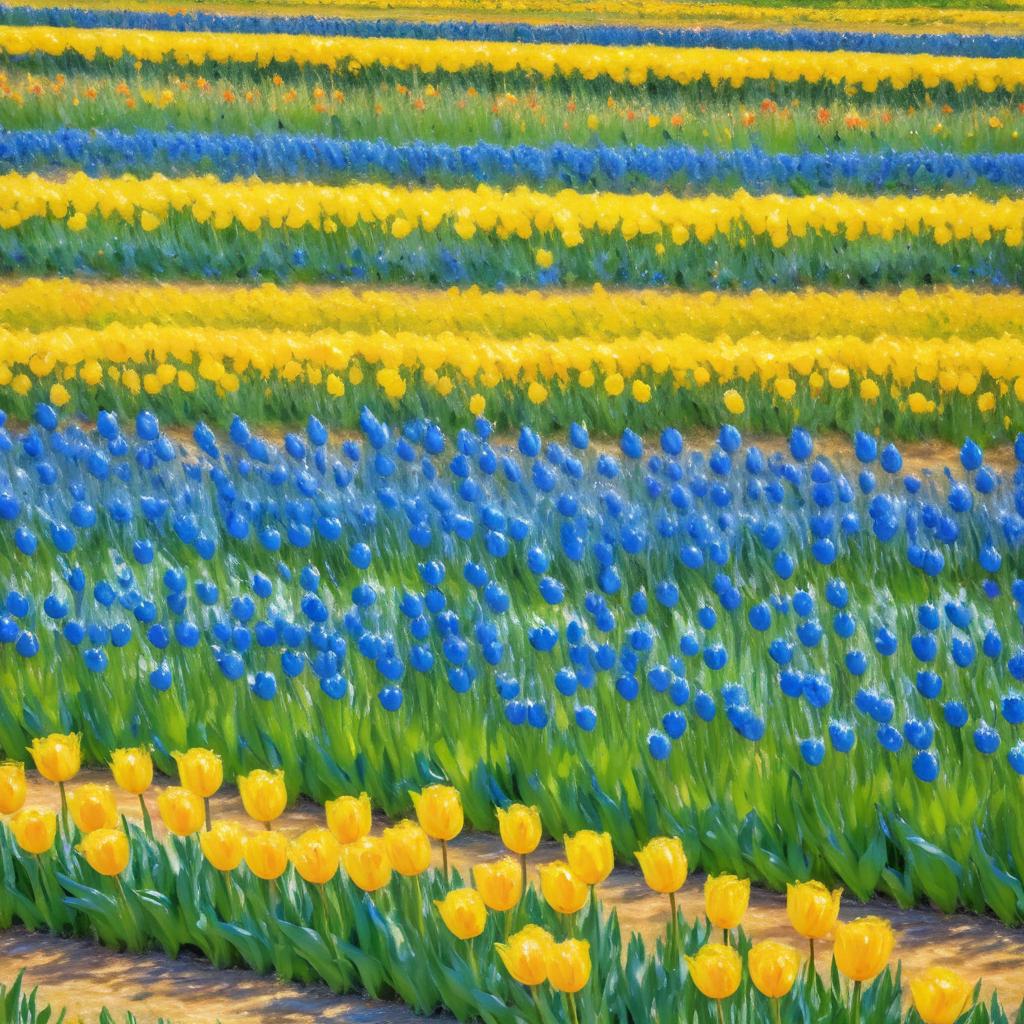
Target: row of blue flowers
610,168
940,43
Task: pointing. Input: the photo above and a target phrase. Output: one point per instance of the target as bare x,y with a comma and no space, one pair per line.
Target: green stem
421,917
570,1000
522,867
267,826
776,1011
444,859
725,936
474,968
63,807
721,1012
209,819
855,1005
673,929
146,820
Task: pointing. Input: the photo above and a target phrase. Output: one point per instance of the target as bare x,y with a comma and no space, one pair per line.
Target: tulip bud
941,996
408,848
200,771
223,845
561,888
500,883
812,909
520,828
525,954
133,769
263,793
107,851
568,965
93,807
463,911
316,855
725,900
773,968
439,810
266,854
716,970
181,810
349,817
863,947
663,862
58,757
366,863
12,787
590,856
34,829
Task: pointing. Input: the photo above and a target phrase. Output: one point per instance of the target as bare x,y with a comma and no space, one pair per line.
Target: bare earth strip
84,977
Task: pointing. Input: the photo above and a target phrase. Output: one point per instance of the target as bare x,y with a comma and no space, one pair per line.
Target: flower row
635,65
328,160
951,44
531,956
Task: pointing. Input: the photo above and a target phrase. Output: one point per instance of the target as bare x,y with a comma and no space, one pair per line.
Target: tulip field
596,424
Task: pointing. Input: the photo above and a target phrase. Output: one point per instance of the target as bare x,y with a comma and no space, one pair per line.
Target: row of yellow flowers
862,947
635,65
255,205
153,359
43,304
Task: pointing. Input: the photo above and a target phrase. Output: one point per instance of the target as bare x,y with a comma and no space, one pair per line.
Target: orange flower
748,119
571,106
854,121
677,120
228,96
418,104
823,115
886,117
769,106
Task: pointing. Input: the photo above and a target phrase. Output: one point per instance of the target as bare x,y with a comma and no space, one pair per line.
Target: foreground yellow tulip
725,901
561,888
773,969
93,807
266,854
525,955
200,770
439,812
463,912
590,855
34,829
366,863
408,848
316,855
57,756
520,828
813,910
716,970
13,788
107,851
133,769
863,947
223,845
264,795
663,862
941,996
349,817
500,883
181,810
568,965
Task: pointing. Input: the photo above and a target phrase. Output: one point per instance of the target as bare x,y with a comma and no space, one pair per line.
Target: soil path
84,977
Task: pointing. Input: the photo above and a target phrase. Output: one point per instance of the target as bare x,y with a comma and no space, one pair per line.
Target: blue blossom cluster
108,152
949,44
813,604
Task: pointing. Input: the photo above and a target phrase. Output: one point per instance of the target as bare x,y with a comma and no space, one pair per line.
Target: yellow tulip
716,970
500,883
525,954
773,968
57,756
200,770
34,829
663,862
725,900
316,855
941,996
408,848
133,769
349,817
181,810
107,851
266,854
863,947
568,965
813,910
561,888
93,807
13,788
464,913
366,863
439,811
223,845
590,856
520,828
264,795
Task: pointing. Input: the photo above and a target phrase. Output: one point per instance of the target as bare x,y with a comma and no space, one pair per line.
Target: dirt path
190,992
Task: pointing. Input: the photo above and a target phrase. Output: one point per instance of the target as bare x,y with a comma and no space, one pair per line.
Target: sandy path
81,976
